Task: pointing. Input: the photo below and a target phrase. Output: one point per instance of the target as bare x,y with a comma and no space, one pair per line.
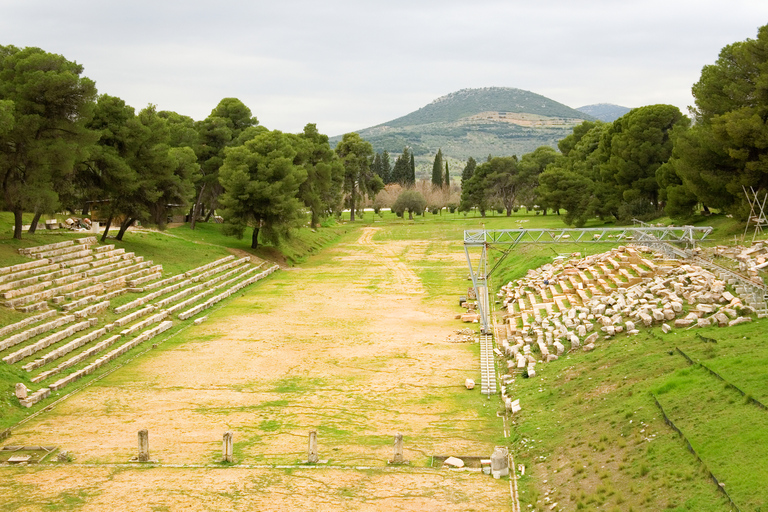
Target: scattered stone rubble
571,305
750,259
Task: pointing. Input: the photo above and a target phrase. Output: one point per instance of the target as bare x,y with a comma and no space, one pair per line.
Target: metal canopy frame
485,239
757,211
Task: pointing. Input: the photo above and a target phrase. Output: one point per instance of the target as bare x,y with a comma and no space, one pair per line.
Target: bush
410,201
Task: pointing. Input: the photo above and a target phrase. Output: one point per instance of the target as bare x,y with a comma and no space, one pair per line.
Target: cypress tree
386,168
376,165
412,177
447,180
437,170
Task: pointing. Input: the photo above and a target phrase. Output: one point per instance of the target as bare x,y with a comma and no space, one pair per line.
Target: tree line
64,147
653,160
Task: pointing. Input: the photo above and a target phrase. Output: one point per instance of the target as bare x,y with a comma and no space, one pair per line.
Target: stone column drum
500,462
227,451
397,458
143,445
312,456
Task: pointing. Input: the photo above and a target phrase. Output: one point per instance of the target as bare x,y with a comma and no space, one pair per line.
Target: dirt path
350,347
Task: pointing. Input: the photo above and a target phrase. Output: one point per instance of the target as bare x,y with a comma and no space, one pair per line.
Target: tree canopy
261,183
360,181
47,104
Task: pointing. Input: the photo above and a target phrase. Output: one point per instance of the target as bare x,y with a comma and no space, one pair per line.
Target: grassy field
591,435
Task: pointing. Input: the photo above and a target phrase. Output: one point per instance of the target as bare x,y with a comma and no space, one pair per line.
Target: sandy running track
347,346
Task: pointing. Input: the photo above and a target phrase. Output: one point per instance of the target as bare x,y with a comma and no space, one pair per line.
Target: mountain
604,111
498,121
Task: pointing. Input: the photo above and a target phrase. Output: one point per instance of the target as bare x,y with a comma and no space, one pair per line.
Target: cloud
348,65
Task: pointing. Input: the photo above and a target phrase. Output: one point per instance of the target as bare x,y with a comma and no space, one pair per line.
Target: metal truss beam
686,235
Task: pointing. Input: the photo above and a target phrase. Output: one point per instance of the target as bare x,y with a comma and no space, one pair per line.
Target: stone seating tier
35,331
46,342
79,358
26,322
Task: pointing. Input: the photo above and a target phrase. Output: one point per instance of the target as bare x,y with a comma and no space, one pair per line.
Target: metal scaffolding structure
662,238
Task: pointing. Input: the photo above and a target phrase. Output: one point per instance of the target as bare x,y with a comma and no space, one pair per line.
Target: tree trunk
196,208
352,203
509,212
482,213
410,215
124,227
314,219
35,220
17,223
106,229
255,239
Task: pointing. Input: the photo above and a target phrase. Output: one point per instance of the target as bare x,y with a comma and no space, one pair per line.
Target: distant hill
604,111
498,121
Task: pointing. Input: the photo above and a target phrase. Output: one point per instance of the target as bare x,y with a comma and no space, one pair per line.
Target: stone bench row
37,270
194,289
92,298
95,309
30,308
183,276
208,266
220,268
213,300
21,267
127,319
99,255
26,322
114,354
79,358
113,263
48,341
35,331
65,349
26,251
159,317
67,253
165,282
176,285
146,278
103,248
26,281
152,296
192,300
27,290
90,240
124,270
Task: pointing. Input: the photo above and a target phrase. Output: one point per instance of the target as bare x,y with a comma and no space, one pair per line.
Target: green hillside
467,102
498,121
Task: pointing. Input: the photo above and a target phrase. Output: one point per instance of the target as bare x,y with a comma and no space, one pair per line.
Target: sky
348,65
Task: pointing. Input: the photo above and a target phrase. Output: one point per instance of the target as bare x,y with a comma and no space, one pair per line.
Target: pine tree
437,170
402,170
469,170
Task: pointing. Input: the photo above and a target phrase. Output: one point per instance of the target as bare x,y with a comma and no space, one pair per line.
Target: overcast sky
348,65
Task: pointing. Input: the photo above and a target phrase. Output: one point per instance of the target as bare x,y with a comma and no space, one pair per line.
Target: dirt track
348,345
